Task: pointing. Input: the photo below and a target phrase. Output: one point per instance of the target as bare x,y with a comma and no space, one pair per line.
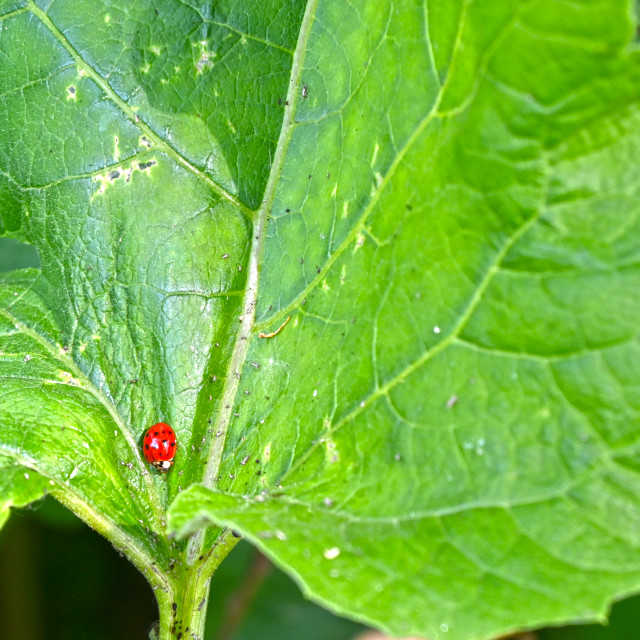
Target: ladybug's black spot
156,433
173,444
147,446
164,442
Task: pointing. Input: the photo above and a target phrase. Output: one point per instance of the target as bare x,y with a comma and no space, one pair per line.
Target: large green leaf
442,196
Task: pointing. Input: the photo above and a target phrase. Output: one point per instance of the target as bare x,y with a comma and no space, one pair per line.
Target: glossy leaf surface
443,197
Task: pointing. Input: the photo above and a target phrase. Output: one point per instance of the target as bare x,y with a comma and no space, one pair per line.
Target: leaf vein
160,142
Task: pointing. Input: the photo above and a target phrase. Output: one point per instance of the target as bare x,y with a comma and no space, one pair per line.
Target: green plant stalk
183,610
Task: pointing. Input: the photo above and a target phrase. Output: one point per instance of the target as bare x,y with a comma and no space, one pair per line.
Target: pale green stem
184,616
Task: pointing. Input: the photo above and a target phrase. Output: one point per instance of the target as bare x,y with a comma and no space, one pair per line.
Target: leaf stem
185,615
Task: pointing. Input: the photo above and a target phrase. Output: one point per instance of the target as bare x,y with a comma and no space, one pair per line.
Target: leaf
142,268
444,438
443,198
54,423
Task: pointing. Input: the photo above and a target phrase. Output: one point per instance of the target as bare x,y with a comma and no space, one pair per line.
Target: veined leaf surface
443,197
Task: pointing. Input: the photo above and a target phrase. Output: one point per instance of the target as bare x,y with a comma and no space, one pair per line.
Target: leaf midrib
247,323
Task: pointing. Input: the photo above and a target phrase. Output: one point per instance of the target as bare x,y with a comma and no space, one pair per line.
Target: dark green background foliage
444,198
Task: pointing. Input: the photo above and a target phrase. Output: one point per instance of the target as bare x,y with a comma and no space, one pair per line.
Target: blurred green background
59,580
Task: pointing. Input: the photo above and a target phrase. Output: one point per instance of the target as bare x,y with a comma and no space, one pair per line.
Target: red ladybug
159,446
